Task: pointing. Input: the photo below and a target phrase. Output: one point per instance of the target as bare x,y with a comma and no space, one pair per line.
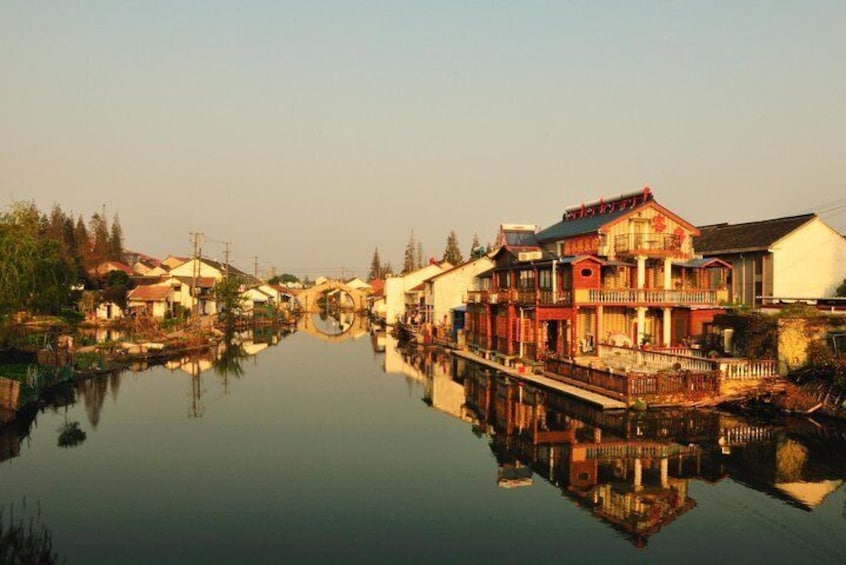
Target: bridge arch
309,297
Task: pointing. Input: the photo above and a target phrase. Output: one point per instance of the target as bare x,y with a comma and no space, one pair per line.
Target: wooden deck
603,401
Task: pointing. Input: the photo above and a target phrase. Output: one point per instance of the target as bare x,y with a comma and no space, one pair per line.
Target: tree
285,278
115,241
841,289
98,230
476,250
375,267
227,293
115,288
33,274
452,253
388,270
408,258
419,257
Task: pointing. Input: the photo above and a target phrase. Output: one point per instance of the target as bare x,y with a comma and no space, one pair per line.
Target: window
586,272
527,280
545,279
503,280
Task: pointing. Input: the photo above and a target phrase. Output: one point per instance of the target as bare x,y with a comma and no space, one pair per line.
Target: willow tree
34,276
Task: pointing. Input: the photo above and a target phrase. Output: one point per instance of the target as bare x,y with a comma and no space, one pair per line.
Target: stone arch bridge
309,297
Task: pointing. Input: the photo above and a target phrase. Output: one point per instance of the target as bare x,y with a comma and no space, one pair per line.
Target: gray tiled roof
750,236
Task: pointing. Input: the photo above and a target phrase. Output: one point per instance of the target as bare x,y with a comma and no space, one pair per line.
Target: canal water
331,445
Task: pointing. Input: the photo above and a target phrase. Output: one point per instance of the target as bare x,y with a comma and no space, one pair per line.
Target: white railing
680,350
653,296
656,360
741,369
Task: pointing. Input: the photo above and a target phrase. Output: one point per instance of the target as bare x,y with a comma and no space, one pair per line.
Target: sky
309,133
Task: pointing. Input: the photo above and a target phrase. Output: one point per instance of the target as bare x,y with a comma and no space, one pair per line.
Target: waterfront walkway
602,401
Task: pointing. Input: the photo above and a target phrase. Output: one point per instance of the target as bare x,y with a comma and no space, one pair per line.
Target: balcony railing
653,296
647,243
542,297
550,298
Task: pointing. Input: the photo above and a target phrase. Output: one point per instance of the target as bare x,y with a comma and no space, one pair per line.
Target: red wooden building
620,272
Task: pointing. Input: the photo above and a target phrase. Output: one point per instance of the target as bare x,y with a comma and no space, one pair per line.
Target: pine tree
452,253
408,258
84,247
388,270
419,258
115,242
375,267
476,250
98,229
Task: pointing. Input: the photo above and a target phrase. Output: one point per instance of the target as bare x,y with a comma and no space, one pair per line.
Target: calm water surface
321,449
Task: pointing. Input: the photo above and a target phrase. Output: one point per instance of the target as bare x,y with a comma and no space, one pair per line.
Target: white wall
450,289
396,287
187,270
810,262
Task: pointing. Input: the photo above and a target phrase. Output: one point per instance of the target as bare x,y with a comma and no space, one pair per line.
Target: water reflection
334,326
631,470
224,360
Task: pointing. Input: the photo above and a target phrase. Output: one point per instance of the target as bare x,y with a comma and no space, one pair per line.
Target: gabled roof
749,236
201,282
517,235
458,267
514,255
704,263
108,266
589,218
149,293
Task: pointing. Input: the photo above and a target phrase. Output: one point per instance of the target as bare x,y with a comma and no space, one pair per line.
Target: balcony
698,297
650,244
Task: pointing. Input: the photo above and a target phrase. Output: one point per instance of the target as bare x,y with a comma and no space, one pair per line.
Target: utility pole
226,246
255,266
195,273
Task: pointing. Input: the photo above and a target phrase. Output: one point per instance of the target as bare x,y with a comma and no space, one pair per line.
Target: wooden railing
646,243
651,387
550,298
685,383
653,296
613,384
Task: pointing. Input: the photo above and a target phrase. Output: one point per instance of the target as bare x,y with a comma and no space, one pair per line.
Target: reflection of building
398,361
636,485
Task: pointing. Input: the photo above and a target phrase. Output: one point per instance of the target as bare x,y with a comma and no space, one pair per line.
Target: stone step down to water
604,402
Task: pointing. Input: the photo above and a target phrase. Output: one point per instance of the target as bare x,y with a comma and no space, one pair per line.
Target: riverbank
26,384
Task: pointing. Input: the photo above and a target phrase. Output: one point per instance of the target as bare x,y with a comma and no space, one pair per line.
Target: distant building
791,257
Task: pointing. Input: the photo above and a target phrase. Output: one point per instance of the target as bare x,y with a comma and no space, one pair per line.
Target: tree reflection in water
228,363
25,540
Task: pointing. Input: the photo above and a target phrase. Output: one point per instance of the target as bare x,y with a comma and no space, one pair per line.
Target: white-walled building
782,258
400,293
448,289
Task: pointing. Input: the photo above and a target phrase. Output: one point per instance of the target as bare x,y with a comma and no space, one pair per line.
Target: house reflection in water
637,485
632,470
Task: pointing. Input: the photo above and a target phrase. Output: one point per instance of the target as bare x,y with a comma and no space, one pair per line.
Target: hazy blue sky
308,133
